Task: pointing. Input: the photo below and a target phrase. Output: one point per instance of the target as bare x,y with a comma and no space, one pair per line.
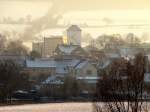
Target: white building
74,35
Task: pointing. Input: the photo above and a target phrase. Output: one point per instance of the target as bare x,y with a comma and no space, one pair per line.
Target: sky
91,12
19,8
37,8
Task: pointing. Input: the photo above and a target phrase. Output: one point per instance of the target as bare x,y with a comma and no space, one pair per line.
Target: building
39,69
50,45
72,50
61,68
74,35
80,70
86,71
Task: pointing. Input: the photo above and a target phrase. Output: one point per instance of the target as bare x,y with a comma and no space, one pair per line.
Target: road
50,107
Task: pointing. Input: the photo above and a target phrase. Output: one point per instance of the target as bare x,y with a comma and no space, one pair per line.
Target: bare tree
122,87
3,41
109,41
17,48
11,79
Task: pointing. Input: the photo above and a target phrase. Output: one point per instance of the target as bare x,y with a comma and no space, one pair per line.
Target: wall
50,45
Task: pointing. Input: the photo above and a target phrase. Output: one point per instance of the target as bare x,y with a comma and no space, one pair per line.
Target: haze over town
57,53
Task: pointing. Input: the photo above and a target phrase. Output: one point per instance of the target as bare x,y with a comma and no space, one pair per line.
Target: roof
73,28
88,78
105,64
52,80
12,57
81,64
63,66
147,77
90,48
130,52
51,63
67,49
40,63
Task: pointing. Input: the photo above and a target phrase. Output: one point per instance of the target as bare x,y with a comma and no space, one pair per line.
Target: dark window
88,72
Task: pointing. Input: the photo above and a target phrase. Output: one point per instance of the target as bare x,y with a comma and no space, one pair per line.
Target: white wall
74,37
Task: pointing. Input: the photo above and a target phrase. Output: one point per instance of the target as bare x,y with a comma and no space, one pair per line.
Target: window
88,72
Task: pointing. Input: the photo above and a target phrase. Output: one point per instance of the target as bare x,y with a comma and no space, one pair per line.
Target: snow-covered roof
104,64
73,28
81,64
63,66
67,49
130,52
51,63
147,77
52,80
88,78
40,63
74,62
148,55
113,55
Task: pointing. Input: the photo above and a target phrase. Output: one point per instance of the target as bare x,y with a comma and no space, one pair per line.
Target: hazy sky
20,8
38,8
81,11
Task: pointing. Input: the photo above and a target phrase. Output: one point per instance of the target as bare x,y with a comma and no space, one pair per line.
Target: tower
74,35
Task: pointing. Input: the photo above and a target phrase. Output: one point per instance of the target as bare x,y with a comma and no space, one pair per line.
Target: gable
86,69
89,66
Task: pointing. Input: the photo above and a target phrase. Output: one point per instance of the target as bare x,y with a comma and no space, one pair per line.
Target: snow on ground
51,107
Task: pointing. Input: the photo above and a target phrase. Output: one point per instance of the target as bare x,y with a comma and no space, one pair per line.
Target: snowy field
51,107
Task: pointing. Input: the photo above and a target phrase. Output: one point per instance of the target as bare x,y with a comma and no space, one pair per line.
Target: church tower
74,35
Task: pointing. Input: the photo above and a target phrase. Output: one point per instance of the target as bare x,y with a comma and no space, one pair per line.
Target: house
85,70
80,70
87,75
65,67
61,68
39,69
49,67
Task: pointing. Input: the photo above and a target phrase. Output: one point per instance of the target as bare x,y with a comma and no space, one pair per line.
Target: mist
49,14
